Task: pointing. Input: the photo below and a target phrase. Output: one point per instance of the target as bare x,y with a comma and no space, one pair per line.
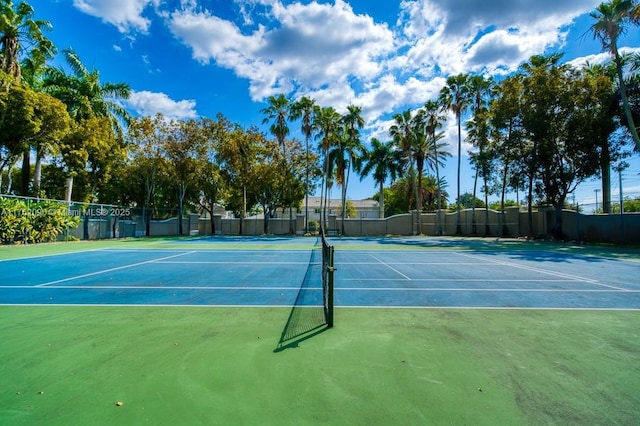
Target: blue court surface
370,273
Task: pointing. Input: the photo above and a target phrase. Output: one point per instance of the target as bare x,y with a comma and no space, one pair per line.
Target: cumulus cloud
126,15
327,51
149,104
311,46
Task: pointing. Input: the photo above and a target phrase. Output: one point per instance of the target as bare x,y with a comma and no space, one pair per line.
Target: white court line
138,287
460,290
544,271
391,267
189,262
201,250
50,255
417,263
111,269
465,280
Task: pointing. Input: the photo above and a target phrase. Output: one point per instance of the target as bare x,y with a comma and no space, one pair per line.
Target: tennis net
327,278
312,311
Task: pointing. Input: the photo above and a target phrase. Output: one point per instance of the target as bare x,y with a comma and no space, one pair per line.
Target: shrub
36,222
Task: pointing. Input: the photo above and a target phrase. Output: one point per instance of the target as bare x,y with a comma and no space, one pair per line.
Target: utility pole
621,198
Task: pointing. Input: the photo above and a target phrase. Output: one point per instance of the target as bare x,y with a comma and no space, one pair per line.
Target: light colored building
365,209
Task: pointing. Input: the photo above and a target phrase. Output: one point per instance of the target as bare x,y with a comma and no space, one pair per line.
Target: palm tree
19,30
326,121
304,109
19,33
455,95
353,149
404,132
610,23
434,119
87,97
480,89
278,110
278,113
383,161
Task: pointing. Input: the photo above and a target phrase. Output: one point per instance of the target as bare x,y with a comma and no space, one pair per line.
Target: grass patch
71,365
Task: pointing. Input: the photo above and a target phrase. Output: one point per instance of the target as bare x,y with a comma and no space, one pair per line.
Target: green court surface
73,365
226,365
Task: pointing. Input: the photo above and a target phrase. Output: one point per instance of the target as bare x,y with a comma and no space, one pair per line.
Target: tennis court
230,330
370,273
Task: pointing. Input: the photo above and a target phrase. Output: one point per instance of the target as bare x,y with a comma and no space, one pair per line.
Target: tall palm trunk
625,100
306,192
458,223
381,200
438,201
420,168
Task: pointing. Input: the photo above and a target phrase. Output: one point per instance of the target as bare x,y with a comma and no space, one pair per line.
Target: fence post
578,222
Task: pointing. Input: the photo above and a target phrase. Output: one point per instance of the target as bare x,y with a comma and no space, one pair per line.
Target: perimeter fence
24,219
21,218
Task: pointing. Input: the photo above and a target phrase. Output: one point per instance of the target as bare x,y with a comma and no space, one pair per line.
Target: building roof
314,202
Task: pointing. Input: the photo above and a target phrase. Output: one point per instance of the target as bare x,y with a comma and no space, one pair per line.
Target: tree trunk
605,169
458,224
530,207
37,174
26,172
69,189
381,198
556,230
473,204
438,201
418,189
625,101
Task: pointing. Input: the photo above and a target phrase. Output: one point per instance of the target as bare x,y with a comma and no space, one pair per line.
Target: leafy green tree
468,201
55,123
184,147
88,140
30,118
149,168
237,157
401,195
562,111
22,37
17,122
87,97
211,182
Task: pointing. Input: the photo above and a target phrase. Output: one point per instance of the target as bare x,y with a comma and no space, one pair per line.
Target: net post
330,270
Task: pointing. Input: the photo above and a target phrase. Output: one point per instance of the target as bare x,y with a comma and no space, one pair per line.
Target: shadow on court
307,316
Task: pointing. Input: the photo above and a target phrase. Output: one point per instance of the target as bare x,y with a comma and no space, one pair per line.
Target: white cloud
310,46
126,15
149,104
602,58
327,51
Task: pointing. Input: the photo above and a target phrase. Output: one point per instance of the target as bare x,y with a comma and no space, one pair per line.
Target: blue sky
188,58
